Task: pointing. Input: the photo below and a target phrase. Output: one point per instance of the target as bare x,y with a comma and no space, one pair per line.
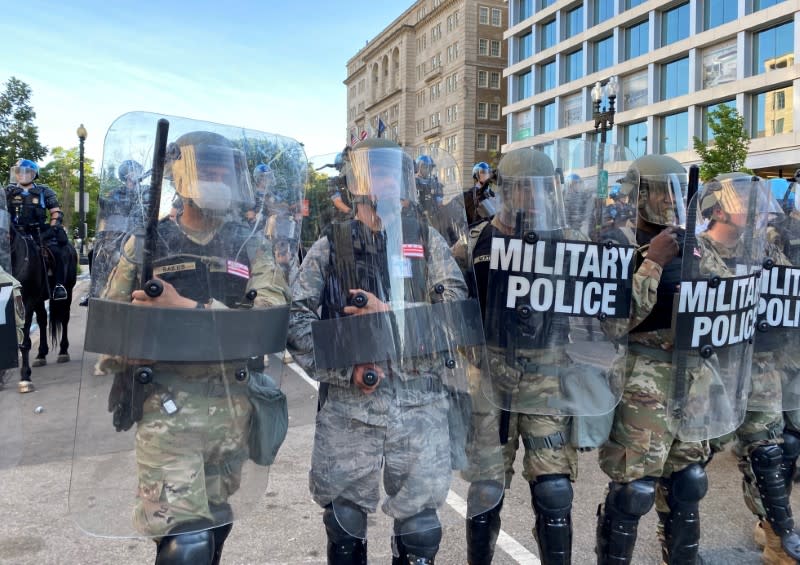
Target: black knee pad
347,523
420,534
484,496
689,484
552,495
766,456
196,548
791,444
635,498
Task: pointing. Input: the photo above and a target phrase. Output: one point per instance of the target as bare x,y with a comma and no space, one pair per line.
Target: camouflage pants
179,456
411,447
643,441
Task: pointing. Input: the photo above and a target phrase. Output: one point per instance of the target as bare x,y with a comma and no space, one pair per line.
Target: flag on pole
353,138
363,135
381,127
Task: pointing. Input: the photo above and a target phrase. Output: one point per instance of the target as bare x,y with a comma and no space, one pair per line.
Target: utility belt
692,360
555,440
215,386
773,431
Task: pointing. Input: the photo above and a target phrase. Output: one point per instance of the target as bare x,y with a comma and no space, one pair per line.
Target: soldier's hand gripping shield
716,308
178,418
395,346
558,287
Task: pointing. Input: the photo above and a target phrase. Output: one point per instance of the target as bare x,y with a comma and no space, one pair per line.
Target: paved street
286,525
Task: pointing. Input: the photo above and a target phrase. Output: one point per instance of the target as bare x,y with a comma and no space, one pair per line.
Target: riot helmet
424,166
480,168
130,170
784,193
727,198
379,170
528,194
662,189
24,172
209,172
263,176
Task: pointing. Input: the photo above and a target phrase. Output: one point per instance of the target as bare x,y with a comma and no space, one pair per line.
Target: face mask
212,195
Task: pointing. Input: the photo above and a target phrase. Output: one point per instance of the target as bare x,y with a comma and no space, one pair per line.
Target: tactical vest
514,329
790,234
660,317
28,209
359,260
219,269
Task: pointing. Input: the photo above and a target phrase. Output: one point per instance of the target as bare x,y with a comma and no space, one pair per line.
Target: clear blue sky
267,65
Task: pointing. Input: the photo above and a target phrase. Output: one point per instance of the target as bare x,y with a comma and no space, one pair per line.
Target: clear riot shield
560,281
439,194
178,420
395,345
5,236
327,195
716,308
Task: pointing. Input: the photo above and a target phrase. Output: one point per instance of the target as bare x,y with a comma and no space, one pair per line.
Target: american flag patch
413,250
238,269
697,252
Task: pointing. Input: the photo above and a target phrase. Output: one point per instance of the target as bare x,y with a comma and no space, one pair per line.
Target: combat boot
767,464
759,536
773,548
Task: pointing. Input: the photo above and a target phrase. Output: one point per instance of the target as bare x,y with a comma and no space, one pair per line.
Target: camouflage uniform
401,427
189,462
19,308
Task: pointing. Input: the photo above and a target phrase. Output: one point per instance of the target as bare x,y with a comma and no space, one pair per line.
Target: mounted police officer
216,299
376,310
36,212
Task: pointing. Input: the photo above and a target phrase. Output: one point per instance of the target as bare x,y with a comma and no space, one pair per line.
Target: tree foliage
727,152
62,174
19,138
320,207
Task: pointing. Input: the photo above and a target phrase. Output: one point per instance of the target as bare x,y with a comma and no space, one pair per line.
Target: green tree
727,152
19,138
62,174
320,207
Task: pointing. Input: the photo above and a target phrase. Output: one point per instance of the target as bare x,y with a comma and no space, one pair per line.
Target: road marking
509,545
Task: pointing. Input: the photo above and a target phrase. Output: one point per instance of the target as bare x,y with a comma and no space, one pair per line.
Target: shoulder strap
475,233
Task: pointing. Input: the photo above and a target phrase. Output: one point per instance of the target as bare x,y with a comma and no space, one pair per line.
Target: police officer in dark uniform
478,200
35,211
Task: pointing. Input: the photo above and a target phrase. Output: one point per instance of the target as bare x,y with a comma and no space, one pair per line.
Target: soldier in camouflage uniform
644,452
184,484
395,425
550,462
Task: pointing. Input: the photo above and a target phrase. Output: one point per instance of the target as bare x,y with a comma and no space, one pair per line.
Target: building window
635,136
547,118
708,135
483,15
547,76
633,91
436,32
524,46
675,24
572,110
719,12
524,86
497,17
675,132
494,111
483,79
637,40
494,80
493,143
521,125
494,48
719,64
480,142
450,144
451,83
602,10
420,126
574,21
483,47
435,119
574,66
547,35
773,112
772,49
761,4
452,52
482,110
524,9
674,79
603,53
632,3
436,91
420,99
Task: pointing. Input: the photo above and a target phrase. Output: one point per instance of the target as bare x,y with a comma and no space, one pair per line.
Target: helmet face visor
530,203
212,176
381,174
22,174
662,199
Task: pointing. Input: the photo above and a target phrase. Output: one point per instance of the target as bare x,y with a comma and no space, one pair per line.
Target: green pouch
270,419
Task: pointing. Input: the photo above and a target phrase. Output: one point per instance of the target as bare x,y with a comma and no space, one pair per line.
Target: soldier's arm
643,300
266,277
443,269
306,299
122,280
53,206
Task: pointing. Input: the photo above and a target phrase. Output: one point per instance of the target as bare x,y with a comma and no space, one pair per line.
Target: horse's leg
25,384
63,322
41,319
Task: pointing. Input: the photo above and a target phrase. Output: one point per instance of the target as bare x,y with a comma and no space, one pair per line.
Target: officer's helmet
741,198
424,166
205,168
130,170
528,192
24,172
480,168
662,188
783,191
263,175
380,170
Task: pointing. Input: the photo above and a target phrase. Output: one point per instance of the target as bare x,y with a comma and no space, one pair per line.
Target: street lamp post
603,121
83,260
